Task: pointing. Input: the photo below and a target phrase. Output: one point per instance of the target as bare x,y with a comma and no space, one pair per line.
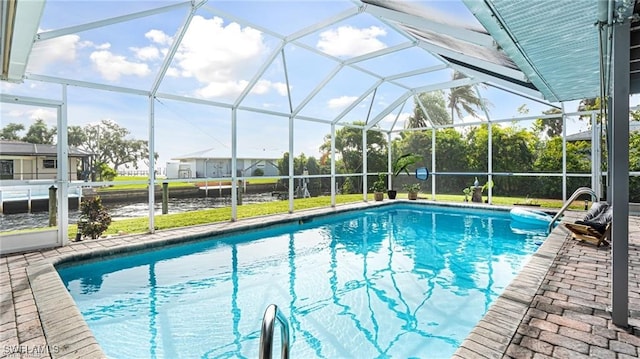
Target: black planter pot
392,193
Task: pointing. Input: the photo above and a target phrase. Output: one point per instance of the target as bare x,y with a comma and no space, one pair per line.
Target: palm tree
463,98
434,104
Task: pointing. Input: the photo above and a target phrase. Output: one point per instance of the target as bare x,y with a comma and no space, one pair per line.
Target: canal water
120,210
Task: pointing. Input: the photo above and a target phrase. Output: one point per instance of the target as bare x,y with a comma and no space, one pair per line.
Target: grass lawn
167,221
140,225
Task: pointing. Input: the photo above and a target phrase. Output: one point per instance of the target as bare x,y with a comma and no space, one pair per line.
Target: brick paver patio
556,307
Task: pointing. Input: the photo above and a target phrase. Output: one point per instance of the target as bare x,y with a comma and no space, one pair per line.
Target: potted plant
476,191
378,187
401,164
412,190
467,193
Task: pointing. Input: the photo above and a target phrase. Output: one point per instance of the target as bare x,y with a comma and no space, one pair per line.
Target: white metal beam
389,108
446,85
317,89
172,50
32,101
416,72
357,101
62,152
192,100
259,74
424,109
114,20
227,16
85,84
324,24
378,53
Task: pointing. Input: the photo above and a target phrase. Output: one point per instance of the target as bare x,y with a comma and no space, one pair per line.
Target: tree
434,104
552,126
549,159
463,98
10,131
76,136
513,151
109,142
348,144
589,104
40,133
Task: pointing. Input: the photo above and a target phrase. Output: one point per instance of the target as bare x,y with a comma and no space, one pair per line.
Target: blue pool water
399,281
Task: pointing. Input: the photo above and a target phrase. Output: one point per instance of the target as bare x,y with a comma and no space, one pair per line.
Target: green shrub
106,173
258,172
94,218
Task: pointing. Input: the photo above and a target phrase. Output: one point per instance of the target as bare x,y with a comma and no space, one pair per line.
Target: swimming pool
396,281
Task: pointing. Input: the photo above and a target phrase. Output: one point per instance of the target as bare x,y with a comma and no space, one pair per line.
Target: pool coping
67,335
492,335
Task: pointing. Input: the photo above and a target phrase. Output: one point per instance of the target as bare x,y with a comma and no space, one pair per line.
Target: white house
215,163
26,161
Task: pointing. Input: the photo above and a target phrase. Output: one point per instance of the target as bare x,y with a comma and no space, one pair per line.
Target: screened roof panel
283,17
401,61
217,59
270,91
338,93
437,76
103,55
199,128
397,118
306,71
63,13
387,98
353,37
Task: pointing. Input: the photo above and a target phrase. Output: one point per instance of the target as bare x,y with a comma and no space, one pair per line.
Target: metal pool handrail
576,194
266,334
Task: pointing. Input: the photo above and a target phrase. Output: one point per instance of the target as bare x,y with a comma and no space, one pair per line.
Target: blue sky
222,51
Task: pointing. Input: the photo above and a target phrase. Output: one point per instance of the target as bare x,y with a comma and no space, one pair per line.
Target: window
50,163
6,169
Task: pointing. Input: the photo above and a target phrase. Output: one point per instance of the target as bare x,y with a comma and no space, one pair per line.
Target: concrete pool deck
555,307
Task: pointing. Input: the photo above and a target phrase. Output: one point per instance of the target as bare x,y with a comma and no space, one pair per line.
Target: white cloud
350,41
261,87
218,89
172,72
104,46
61,48
146,53
221,57
341,102
264,86
401,119
158,37
48,115
281,87
111,66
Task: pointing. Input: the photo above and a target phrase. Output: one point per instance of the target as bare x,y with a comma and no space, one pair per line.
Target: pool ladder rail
266,333
580,191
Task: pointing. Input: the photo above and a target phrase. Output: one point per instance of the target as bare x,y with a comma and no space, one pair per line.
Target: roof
549,52
19,148
225,153
586,135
